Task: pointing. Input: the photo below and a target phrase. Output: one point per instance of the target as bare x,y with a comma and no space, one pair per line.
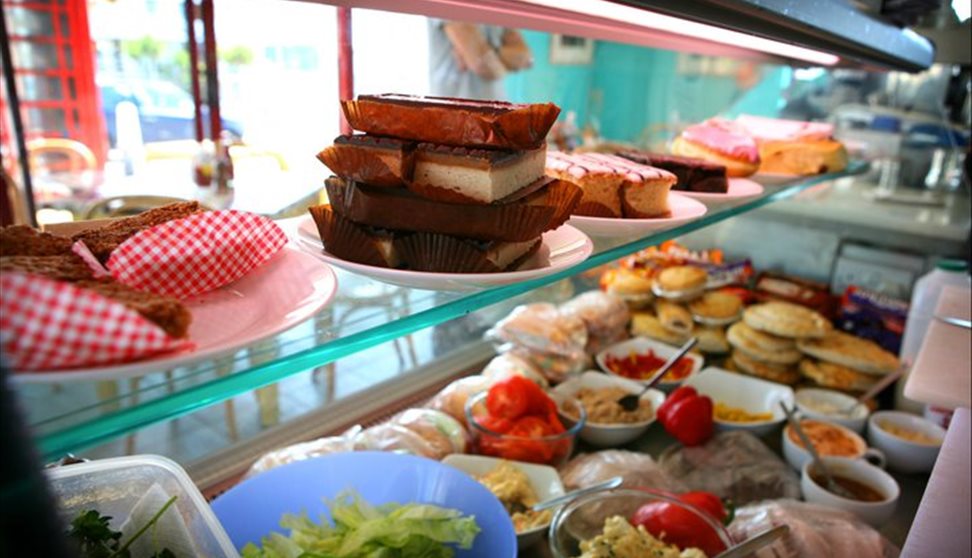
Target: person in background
469,60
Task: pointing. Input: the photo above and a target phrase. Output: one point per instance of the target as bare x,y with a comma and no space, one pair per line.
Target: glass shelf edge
110,426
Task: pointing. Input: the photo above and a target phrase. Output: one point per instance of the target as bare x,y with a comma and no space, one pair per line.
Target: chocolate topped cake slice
450,121
694,175
374,160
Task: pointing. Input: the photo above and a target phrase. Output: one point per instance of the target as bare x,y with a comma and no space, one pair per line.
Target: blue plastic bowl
253,508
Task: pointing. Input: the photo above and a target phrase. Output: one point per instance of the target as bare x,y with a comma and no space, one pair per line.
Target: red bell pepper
681,527
687,416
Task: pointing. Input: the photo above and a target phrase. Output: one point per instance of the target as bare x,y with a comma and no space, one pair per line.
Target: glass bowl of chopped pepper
641,522
517,420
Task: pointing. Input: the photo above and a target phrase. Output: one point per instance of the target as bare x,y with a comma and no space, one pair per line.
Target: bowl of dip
608,424
871,493
831,406
830,440
910,442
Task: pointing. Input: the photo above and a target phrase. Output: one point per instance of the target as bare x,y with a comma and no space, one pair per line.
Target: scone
632,286
786,320
674,317
716,306
745,345
763,340
712,339
773,372
851,351
835,376
644,324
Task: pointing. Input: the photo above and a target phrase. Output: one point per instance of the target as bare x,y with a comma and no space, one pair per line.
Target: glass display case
103,116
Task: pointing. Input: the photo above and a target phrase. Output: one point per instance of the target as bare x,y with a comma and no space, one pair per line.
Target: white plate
684,209
740,189
290,288
775,178
561,248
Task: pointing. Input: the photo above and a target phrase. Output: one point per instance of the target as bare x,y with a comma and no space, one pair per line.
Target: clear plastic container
113,486
924,298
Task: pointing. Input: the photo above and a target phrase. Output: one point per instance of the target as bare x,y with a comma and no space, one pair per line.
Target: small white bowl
745,392
874,513
642,345
903,455
797,457
603,434
544,479
856,420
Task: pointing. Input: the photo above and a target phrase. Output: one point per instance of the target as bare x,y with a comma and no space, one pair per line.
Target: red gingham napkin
49,325
196,254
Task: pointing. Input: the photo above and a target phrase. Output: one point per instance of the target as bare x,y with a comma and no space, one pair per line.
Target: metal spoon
753,544
832,485
875,389
631,401
612,482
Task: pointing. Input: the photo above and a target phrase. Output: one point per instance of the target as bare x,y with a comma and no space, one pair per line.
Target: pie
850,351
744,344
787,320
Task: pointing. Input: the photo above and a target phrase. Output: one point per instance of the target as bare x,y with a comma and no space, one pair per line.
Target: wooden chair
60,154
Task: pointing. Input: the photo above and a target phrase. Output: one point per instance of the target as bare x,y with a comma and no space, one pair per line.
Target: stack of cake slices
440,184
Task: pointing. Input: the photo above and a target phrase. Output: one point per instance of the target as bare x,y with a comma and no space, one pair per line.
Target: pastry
795,147
682,278
632,286
835,376
101,241
438,172
459,122
786,320
715,305
764,341
719,141
525,216
850,351
418,251
712,339
21,240
613,186
692,175
645,324
781,374
744,345
674,317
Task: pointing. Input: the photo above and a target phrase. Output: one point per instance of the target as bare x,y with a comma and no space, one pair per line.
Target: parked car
165,110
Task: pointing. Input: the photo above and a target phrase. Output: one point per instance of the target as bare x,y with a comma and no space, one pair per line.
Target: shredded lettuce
361,530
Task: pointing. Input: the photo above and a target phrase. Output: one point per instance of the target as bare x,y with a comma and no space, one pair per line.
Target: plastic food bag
735,465
304,450
452,399
814,531
605,316
541,327
444,434
637,469
555,368
508,364
396,438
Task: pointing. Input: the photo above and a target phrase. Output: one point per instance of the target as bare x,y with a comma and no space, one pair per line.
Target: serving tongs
631,401
818,463
748,546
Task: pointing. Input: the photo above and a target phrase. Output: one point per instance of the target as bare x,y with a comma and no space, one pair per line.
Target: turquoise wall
635,94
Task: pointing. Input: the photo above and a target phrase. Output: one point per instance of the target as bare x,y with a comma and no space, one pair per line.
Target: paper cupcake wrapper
544,209
362,164
348,241
52,325
190,256
447,254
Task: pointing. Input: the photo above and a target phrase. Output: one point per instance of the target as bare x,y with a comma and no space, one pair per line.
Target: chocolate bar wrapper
351,242
373,160
542,209
449,254
873,316
450,121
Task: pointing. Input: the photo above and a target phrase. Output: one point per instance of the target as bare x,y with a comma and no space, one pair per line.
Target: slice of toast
103,240
21,240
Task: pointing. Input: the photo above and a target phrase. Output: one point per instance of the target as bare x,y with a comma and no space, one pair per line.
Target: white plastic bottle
924,298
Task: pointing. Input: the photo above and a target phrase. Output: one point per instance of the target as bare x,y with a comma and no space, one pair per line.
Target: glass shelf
365,313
